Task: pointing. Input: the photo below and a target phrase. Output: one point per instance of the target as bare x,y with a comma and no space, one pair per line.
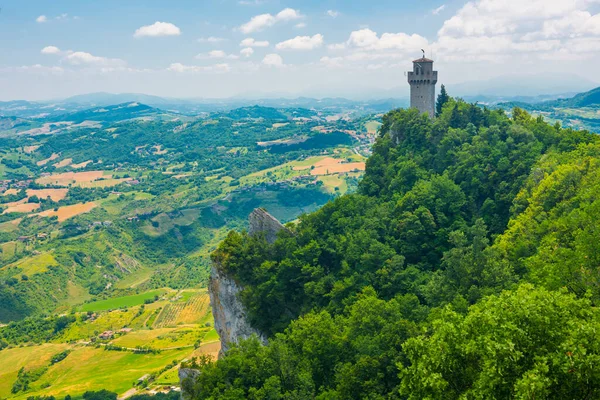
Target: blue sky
222,48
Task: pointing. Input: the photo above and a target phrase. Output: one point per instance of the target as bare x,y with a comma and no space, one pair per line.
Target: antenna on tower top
423,53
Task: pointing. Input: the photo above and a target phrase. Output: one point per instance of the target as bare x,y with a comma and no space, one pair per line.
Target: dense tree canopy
414,287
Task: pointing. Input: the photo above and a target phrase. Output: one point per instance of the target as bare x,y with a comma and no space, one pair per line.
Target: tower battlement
422,80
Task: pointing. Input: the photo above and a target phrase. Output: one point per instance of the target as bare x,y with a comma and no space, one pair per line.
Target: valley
107,225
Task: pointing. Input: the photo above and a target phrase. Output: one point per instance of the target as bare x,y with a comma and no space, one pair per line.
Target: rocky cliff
230,316
263,222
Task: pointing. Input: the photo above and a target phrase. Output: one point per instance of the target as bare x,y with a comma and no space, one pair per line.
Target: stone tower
422,80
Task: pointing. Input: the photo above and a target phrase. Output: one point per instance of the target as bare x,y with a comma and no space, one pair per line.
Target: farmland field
121,211
118,302
66,212
66,178
93,367
21,208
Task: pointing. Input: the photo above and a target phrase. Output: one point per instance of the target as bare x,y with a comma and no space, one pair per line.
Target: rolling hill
119,112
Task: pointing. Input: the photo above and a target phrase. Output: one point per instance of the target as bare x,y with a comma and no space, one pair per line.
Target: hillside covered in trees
465,267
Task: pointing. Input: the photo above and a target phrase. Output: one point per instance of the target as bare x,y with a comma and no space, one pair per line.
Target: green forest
465,266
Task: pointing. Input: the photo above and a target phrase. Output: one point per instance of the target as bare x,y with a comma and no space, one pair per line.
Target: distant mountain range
108,107
113,113
586,99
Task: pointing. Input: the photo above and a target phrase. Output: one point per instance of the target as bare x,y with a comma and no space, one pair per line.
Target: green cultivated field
119,302
85,368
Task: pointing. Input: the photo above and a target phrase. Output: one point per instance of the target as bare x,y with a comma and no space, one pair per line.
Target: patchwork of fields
176,327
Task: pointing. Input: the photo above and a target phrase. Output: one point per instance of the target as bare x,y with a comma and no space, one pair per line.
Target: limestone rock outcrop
263,222
231,318
231,321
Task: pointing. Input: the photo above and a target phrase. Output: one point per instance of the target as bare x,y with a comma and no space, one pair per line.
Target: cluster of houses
33,238
6,184
107,335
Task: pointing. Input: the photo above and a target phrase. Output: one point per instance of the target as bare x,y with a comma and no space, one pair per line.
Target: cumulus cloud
250,42
300,25
157,29
247,52
332,62
501,29
50,50
41,19
301,43
273,60
87,59
181,68
263,21
367,39
333,13
216,54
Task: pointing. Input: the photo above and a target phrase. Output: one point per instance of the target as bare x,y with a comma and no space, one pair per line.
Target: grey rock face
231,318
263,222
231,321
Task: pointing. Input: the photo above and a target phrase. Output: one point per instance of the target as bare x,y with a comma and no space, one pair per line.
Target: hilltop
581,111
454,272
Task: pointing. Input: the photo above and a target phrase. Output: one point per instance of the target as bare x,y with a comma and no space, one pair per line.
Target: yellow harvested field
53,157
11,191
81,165
324,161
103,183
54,194
67,178
338,168
330,165
22,208
15,203
63,163
212,349
30,149
66,212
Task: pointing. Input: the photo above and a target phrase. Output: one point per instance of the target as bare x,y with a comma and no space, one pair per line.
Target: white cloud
301,43
332,62
83,58
157,29
250,42
216,54
367,39
300,25
41,19
333,13
273,60
438,10
50,50
336,46
247,52
211,39
497,30
178,67
263,21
